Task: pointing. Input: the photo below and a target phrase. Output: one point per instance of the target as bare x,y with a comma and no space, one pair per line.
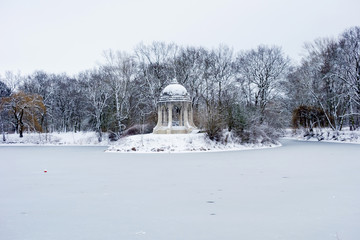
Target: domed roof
174,92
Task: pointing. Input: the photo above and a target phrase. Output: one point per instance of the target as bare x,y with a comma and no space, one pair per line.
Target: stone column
159,122
164,112
186,117
191,116
180,115
169,118
162,116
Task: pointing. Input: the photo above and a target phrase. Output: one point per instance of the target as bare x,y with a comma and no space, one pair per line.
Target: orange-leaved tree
27,110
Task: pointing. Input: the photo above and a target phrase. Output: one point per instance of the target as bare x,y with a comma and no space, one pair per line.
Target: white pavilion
175,113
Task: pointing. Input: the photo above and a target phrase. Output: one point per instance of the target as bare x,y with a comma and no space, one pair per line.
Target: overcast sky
70,35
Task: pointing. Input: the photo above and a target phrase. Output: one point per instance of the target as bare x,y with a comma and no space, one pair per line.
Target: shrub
138,129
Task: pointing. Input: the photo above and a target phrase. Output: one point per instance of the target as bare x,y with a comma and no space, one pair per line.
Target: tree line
252,93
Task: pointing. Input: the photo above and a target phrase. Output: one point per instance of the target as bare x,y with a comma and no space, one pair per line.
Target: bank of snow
325,135
196,142
68,138
178,143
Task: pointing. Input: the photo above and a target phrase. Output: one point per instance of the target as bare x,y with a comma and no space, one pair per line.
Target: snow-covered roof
174,92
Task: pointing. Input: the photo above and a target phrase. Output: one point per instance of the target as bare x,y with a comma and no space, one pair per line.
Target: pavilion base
173,130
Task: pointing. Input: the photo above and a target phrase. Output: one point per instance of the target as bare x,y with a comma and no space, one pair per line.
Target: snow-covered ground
68,138
302,190
178,143
138,143
326,135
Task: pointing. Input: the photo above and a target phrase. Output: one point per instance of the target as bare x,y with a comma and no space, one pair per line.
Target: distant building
175,113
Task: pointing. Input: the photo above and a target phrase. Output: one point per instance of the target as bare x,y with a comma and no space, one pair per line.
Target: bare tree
120,70
349,71
321,79
4,120
259,73
12,80
98,94
155,69
189,65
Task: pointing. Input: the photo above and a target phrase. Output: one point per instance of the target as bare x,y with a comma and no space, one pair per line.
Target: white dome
174,89
174,92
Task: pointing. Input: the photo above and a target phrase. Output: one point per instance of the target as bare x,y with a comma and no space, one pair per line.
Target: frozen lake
303,190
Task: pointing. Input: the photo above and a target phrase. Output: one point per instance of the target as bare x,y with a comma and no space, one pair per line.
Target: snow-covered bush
248,126
138,129
325,134
261,133
213,129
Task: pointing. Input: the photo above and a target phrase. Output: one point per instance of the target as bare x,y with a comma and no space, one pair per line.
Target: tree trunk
99,135
3,132
21,124
21,129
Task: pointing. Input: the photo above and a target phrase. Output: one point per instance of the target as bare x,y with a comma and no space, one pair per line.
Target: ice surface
302,190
